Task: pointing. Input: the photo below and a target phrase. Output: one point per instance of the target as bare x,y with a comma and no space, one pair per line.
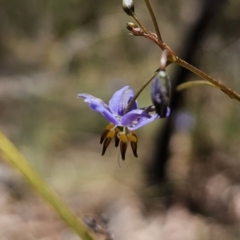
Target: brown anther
105,145
117,140
134,148
132,137
123,144
107,139
105,132
123,149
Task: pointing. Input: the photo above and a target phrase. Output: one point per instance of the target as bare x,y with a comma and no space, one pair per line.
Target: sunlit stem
139,92
139,23
186,85
154,20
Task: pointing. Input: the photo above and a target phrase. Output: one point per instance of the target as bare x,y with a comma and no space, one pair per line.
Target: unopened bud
90,221
128,7
130,26
161,88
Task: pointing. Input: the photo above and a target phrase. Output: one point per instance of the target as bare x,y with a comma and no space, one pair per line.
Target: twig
173,58
139,23
154,20
139,92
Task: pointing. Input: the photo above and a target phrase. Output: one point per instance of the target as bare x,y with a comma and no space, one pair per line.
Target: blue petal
98,105
141,121
120,99
132,117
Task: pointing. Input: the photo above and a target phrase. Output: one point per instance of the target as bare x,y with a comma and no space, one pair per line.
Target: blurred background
185,184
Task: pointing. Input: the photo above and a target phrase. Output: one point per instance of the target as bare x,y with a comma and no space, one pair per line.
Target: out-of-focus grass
14,157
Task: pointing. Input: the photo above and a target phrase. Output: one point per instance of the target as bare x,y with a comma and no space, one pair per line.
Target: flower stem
185,85
139,23
153,20
15,158
139,92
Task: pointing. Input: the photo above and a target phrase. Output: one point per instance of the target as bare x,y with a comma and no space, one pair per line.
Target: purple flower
122,123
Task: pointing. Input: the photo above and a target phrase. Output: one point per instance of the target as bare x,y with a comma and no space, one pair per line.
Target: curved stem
185,85
15,158
152,36
153,20
139,92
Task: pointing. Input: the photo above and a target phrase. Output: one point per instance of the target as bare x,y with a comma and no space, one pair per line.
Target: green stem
185,85
153,20
139,23
14,157
139,92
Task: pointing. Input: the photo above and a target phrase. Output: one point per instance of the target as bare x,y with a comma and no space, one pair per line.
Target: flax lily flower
122,124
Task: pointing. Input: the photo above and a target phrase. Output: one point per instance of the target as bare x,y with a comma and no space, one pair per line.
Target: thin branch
139,92
185,85
153,20
139,23
173,58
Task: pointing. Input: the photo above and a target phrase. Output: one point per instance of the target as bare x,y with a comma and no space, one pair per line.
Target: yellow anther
111,133
122,136
132,138
109,126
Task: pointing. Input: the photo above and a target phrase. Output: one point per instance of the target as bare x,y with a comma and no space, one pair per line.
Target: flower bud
130,26
90,221
161,88
128,7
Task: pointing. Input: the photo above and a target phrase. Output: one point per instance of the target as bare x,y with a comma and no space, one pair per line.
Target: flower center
122,135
